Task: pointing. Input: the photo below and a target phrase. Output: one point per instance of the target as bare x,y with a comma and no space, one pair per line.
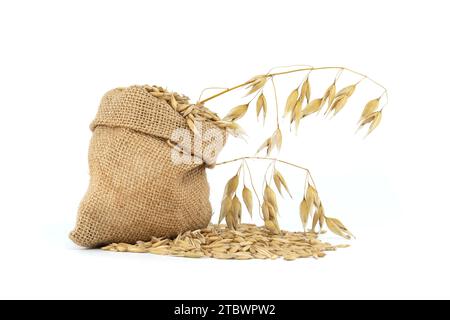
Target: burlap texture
136,191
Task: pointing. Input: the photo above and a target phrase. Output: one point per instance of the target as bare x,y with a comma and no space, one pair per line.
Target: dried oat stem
210,88
225,91
274,74
276,101
253,186
290,66
271,159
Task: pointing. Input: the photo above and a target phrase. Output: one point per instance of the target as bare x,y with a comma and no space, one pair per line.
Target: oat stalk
274,74
276,101
299,103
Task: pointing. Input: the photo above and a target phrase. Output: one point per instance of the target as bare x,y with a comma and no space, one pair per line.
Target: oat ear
236,208
270,197
376,121
267,144
347,91
311,195
280,182
306,90
247,196
335,226
277,138
297,114
231,186
304,213
265,211
261,104
291,101
236,113
225,208
329,94
312,107
370,107
256,83
272,227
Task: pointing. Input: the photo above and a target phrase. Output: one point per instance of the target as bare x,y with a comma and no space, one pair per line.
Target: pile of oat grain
248,242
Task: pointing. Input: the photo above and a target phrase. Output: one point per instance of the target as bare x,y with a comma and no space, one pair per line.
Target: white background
57,58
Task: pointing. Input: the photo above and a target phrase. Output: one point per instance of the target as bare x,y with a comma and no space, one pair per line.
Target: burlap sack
136,191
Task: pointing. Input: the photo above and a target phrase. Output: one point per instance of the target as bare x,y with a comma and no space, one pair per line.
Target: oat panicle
299,105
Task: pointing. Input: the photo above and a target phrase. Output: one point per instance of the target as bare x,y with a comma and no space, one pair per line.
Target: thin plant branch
210,88
254,189
270,159
276,101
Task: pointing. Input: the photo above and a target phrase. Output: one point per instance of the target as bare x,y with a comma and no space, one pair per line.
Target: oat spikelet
277,182
319,217
267,144
341,99
347,91
297,113
272,212
265,211
231,186
230,219
329,95
257,83
247,196
304,213
236,113
277,139
312,107
339,104
291,101
311,196
335,226
261,104
280,182
367,120
272,227
370,107
236,208
315,220
270,197
342,227
225,208
376,121
306,90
